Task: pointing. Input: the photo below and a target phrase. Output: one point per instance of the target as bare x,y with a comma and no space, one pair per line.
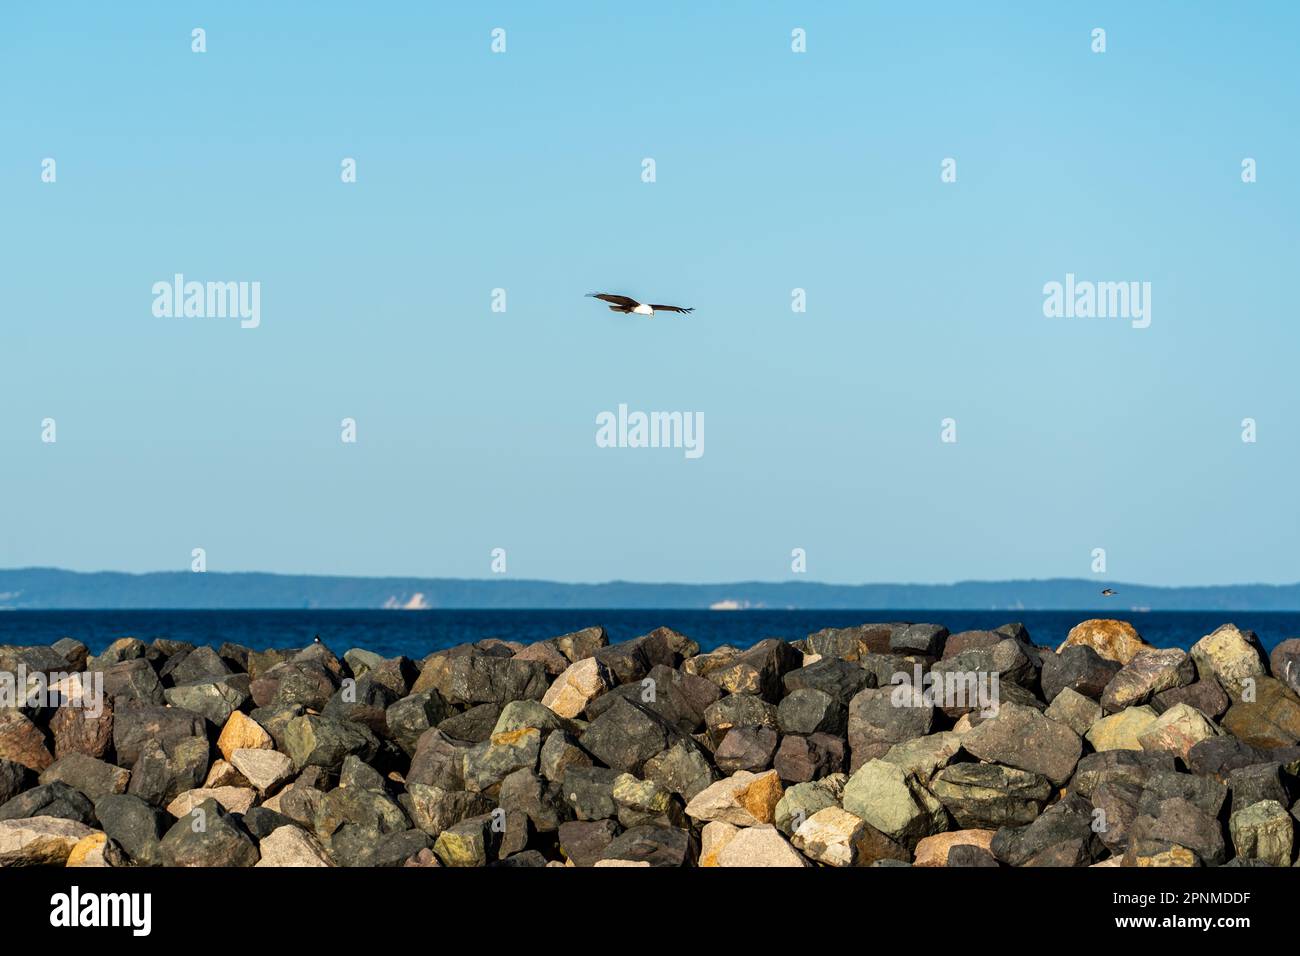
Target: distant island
56,589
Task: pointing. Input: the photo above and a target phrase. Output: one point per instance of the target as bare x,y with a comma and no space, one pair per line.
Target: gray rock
133,727
1063,834
206,836
838,678
876,721
525,792
585,841
803,759
924,639
324,742
682,769
1176,820
810,711
1205,695
14,779
560,751
656,845
474,725
490,762
580,645
94,778
214,698
1079,668
409,718
439,761
495,680
367,702
196,665
1023,738
590,792
738,710
1147,674
626,735
433,809
746,748
987,796
133,680
50,800
136,826
1262,781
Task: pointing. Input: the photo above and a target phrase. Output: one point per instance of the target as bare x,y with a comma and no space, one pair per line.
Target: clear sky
774,170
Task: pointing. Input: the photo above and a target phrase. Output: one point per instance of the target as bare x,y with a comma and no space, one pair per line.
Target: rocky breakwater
878,745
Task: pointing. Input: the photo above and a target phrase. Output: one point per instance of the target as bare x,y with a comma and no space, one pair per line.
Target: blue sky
775,170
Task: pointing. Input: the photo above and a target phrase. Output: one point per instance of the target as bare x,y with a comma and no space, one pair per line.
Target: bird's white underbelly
644,309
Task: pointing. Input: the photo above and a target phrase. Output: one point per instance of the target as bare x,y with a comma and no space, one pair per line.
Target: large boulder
215,698
325,742
136,826
1263,831
1113,640
880,717
1146,674
626,735
758,846
580,683
1231,655
290,846
743,799
759,670
1284,663
983,796
206,836
1077,667
1025,739
22,742
1178,729
893,802
40,841
1271,719
836,837
1122,731
94,778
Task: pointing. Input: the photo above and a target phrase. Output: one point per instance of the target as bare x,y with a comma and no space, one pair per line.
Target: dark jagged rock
746,748
94,778
924,639
838,678
207,836
983,796
803,759
625,736
137,826
738,710
1079,668
50,800
810,711
474,724
876,722
585,841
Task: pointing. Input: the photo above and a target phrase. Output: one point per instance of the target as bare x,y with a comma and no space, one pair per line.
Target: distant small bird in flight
1107,592
622,303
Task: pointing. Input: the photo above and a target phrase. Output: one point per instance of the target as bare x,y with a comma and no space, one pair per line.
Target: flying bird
1107,592
626,305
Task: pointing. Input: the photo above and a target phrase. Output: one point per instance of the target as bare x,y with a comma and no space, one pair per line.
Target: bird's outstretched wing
671,308
616,299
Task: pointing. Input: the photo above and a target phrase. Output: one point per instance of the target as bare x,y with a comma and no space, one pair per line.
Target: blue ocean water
418,633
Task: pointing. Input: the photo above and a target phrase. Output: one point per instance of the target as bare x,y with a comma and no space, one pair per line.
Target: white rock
40,841
290,846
